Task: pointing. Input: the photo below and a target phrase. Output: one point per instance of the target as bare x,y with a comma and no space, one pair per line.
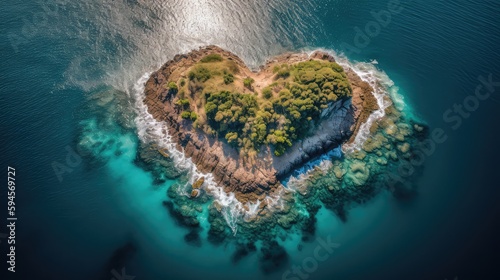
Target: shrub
247,82
307,76
232,137
267,93
193,116
228,78
172,86
212,58
279,151
182,82
184,103
200,73
186,115
211,109
283,73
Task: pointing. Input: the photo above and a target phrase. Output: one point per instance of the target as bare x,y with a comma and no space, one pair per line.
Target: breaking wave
381,84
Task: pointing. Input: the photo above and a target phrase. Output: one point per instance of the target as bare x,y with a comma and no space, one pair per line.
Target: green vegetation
234,116
186,115
193,116
283,73
172,86
183,103
212,58
247,121
228,78
199,73
247,82
267,93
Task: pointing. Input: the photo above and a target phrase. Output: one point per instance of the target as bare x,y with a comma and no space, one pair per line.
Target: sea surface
103,216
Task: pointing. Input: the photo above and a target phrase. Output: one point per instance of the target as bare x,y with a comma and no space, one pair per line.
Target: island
250,128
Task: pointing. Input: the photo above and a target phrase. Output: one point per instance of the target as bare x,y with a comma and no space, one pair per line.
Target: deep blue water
55,54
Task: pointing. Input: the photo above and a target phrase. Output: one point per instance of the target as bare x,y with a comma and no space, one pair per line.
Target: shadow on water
190,222
181,220
242,251
193,238
118,261
273,257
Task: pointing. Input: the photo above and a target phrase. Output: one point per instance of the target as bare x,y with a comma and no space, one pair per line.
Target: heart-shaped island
250,129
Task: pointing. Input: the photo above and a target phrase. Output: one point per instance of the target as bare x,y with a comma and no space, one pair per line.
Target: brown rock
199,183
195,193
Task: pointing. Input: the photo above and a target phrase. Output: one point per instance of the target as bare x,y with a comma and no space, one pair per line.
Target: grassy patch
228,78
200,73
212,58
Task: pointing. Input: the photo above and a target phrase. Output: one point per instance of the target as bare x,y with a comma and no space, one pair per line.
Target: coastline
254,181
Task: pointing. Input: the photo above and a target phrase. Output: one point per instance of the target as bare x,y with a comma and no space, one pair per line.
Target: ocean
70,73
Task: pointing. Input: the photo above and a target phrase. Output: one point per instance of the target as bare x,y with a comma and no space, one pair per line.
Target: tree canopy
292,103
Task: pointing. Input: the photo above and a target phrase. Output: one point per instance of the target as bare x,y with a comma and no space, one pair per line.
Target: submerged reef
257,202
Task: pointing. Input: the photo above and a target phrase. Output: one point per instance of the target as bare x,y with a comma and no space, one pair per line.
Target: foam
380,83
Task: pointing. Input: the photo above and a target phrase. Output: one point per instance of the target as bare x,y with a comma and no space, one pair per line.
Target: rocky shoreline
250,180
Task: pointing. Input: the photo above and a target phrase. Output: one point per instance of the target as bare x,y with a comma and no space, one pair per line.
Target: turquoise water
57,55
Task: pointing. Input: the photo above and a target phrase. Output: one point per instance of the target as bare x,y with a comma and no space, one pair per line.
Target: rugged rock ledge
255,179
